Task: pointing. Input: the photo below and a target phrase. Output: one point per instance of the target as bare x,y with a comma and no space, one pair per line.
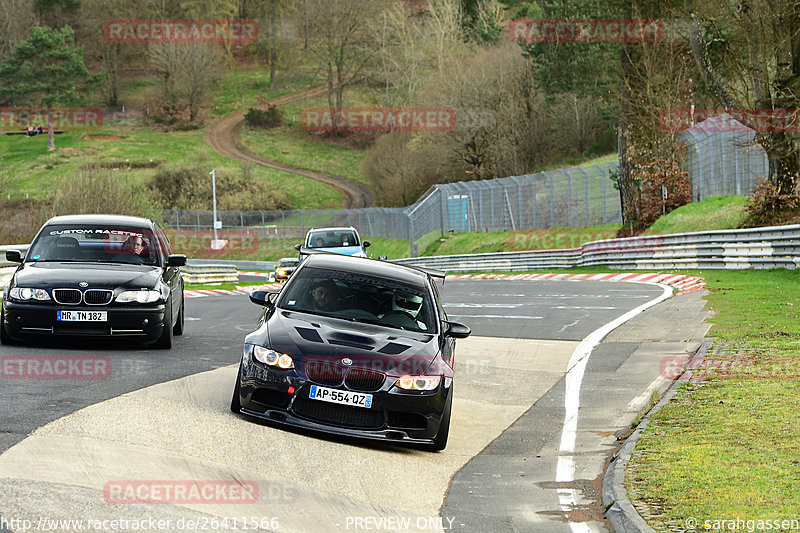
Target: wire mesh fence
575,197
723,158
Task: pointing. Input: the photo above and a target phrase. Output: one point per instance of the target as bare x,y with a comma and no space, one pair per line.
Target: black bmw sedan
99,276
352,346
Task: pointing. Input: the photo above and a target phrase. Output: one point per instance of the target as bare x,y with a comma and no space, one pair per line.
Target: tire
165,341
178,328
5,338
236,405
440,442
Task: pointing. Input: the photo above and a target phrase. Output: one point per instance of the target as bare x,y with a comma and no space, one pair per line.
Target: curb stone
622,515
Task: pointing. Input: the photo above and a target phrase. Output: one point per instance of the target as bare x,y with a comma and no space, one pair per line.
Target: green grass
226,285
29,168
249,86
510,241
728,447
721,212
291,144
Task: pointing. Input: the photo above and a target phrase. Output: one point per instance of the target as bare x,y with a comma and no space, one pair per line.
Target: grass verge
727,448
721,212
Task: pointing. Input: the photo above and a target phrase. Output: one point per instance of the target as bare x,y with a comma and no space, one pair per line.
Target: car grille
324,373
97,296
81,330
67,296
339,415
364,380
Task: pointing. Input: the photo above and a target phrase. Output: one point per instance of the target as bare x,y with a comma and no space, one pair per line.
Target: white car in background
338,240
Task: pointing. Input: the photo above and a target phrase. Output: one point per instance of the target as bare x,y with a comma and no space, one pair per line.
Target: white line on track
565,469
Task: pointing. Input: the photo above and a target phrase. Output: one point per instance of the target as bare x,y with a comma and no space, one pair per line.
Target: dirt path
224,139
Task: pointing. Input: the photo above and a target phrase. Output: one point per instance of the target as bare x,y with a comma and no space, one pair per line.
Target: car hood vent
309,334
342,342
394,348
349,339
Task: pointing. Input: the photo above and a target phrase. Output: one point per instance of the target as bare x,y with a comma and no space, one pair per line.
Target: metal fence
574,197
723,158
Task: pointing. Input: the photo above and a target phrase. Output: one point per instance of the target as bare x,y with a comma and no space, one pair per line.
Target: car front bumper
25,320
394,416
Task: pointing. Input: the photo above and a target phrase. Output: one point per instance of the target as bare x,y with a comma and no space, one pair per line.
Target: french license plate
342,397
82,316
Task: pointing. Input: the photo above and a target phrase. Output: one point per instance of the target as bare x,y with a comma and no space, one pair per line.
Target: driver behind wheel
405,302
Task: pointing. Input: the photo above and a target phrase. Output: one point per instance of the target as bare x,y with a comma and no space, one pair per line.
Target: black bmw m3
352,346
98,276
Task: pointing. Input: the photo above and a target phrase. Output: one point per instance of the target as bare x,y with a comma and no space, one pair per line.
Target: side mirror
366,243
298,246
13,256
456,330
176,260
264,298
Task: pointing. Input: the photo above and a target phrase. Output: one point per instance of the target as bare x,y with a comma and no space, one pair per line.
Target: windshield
96,244
360,298
285,263
332,238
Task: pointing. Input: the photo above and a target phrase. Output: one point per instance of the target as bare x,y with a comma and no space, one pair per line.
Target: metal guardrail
757,248
209,273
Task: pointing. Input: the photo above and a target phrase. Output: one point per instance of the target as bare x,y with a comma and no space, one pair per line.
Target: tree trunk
51,136
272,62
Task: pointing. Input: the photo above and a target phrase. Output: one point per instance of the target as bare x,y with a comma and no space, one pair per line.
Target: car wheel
165,341
236,405
178,328
440,442
5,338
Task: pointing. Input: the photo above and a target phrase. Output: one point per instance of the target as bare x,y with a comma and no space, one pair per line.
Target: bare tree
754,64
409,44
16,23
340,42
187,70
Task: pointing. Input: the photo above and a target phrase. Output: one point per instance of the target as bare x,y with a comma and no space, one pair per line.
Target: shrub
98,190
263,118
22,219
770,205
190,188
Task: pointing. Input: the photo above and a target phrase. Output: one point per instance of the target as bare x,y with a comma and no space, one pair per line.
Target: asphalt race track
71,447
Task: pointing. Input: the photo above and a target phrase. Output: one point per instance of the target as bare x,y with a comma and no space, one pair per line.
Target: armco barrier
769,247
213,273
757,248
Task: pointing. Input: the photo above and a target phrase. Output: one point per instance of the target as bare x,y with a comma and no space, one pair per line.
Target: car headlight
28,293
272,358
281,272
418,382
143,296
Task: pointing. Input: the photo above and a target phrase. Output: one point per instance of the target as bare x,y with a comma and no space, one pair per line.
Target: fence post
411,235
552,210
283,221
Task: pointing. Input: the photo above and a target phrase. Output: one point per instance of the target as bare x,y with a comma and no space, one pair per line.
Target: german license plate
341,397
82,316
